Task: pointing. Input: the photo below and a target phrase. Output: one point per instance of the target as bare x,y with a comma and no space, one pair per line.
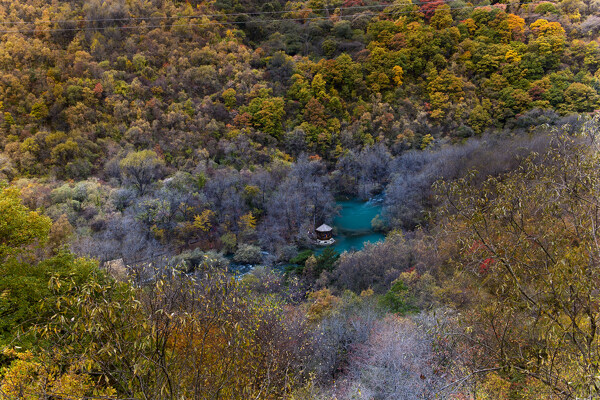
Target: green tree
228,96
323,262
24,272
442,18
444,89
266,114
398,298
479,119
141,169
581,98
39,110
20,227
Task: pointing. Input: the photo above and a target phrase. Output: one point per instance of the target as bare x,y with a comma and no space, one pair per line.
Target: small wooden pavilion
324,232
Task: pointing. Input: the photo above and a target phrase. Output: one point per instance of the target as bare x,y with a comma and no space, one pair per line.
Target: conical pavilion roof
324,228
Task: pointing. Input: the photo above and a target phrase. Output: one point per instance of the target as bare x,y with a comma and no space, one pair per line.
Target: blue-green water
352,230
353,224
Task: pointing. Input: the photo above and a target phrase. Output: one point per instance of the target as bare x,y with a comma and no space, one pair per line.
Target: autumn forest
164,166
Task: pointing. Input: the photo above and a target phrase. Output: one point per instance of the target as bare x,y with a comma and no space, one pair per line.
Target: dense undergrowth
172,134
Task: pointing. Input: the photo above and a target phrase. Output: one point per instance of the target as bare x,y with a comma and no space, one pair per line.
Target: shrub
248,254
376,266
544,8
190,261
398,299
229,242
301,257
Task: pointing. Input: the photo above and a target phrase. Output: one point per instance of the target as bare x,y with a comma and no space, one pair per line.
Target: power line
160,26
267,21
249,13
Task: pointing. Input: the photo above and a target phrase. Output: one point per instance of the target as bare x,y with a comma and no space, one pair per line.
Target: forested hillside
185,139
250,83
119,94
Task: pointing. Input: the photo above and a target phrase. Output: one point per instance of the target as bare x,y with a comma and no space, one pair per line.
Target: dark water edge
352,230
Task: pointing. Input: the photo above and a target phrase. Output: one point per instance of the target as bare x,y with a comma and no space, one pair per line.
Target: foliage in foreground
529,260
68,330
176,338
